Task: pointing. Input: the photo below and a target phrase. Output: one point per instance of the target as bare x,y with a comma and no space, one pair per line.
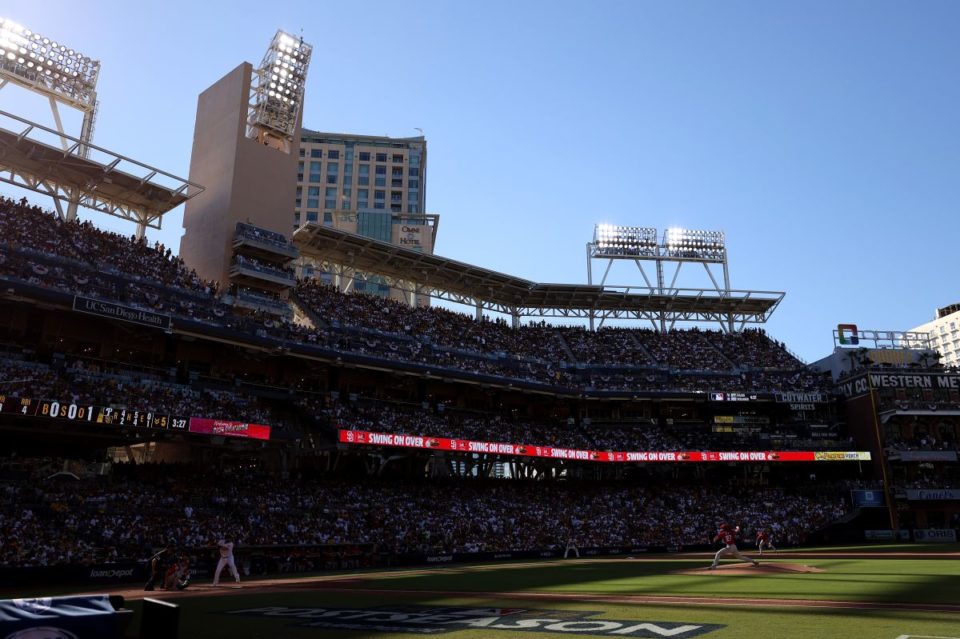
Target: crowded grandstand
151,400
368,364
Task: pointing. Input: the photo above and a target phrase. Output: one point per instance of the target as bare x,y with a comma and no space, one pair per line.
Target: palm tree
930,359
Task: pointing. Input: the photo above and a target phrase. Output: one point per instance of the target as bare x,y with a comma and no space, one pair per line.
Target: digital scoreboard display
732,397
107,415
100,415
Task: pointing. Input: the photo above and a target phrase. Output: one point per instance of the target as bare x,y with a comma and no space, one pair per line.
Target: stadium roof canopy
345,254
52,163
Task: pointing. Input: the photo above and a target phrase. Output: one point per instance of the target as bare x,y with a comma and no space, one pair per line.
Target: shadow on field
583,591
841,581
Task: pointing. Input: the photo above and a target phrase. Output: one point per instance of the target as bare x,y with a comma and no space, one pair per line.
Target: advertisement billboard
204,426
551,452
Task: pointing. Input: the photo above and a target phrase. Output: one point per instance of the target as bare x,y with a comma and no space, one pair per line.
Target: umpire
156,566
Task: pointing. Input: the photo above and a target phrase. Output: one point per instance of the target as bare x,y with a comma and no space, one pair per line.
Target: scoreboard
128,417
733,397
89,413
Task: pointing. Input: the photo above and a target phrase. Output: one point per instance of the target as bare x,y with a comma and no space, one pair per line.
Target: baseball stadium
331,430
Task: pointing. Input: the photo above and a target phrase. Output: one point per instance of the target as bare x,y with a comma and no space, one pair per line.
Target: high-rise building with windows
944,333
370,185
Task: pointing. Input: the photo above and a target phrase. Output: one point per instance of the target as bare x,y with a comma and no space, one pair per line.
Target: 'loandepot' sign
425,620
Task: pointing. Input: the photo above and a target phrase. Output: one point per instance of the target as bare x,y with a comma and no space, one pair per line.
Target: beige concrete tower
245,151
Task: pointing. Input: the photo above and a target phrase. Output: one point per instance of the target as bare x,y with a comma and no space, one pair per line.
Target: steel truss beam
663,255
63,194
112,184
675,305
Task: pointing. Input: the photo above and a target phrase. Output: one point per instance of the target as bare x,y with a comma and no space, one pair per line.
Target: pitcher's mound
748,569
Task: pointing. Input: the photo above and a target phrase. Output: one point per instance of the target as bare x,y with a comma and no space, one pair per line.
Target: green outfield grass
606,582
883,580
209,617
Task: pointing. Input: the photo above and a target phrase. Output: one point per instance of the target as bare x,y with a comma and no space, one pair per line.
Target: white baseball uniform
226,559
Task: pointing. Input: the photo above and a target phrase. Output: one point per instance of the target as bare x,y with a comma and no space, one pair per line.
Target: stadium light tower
276,92
79,173
705,246
678,246
623,241
245,151
57,72
53,70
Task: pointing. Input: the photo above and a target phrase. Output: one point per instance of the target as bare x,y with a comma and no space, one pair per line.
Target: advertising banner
924,381
802,401
125,313
925,455
930,494
550,452
868,498
914,380
413,236
886,535
204,426
936,535
114,573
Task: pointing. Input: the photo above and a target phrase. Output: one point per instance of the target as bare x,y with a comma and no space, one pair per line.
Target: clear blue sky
823,137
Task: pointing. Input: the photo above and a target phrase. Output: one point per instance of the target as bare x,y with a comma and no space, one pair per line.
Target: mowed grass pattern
529,585
874,580
209,617
884,580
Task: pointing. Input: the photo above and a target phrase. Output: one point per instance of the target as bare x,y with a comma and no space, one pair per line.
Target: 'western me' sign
931,381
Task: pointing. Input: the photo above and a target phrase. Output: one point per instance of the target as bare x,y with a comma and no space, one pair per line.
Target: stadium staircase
789,351
558,335
640,347
708,344
302,308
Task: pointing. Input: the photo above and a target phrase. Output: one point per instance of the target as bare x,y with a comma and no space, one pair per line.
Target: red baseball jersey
762,535
726,536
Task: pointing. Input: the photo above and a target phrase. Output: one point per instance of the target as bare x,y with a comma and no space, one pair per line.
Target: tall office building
368,185
944,333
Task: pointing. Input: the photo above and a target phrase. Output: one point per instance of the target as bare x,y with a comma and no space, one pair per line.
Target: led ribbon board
551,452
